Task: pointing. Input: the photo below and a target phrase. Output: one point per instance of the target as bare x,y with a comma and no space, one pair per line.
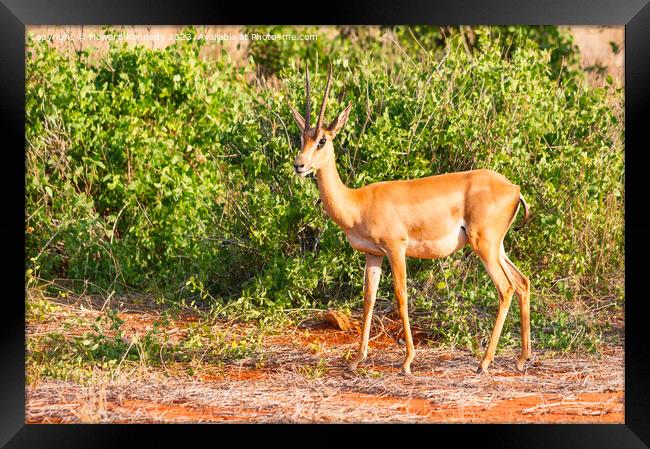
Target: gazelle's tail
526,209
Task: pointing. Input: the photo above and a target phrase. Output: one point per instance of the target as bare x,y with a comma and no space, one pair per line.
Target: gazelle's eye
321,143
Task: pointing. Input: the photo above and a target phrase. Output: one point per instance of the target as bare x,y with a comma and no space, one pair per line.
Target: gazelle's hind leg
488,250
522,289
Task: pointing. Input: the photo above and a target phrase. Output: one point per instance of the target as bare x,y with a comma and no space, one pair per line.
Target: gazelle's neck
337,199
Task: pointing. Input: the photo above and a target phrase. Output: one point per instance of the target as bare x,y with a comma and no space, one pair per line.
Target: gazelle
424,218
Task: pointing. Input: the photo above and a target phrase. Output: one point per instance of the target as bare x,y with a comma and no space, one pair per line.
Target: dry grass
298,375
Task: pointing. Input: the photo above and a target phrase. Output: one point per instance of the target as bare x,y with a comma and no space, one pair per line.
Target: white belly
420,249
363,244
434,249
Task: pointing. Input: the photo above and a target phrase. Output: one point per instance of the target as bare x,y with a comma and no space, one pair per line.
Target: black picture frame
633,14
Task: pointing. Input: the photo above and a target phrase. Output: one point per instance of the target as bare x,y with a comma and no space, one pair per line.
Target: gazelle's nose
297,167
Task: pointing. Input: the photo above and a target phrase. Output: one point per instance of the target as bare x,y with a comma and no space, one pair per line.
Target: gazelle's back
430,208
423,189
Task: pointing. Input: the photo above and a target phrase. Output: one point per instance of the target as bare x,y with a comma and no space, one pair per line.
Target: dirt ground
299,376
596,49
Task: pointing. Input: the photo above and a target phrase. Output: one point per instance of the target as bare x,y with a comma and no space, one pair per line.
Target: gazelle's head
316,143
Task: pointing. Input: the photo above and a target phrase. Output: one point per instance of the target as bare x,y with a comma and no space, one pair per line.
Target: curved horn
327,91
307,99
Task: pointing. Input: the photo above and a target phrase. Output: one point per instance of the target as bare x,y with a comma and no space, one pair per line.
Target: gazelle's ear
300,120
339,121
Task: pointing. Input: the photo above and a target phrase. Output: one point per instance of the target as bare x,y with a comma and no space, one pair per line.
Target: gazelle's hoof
521,363
482,368
405,371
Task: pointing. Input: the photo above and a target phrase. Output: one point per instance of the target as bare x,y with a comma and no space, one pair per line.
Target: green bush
159,170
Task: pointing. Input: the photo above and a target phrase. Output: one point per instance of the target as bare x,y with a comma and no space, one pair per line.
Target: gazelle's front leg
370,285
397,257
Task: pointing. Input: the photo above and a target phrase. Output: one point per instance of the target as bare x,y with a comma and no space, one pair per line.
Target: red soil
521,396
184,413
550,408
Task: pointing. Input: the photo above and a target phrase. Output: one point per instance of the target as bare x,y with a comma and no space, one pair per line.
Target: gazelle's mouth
304,173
